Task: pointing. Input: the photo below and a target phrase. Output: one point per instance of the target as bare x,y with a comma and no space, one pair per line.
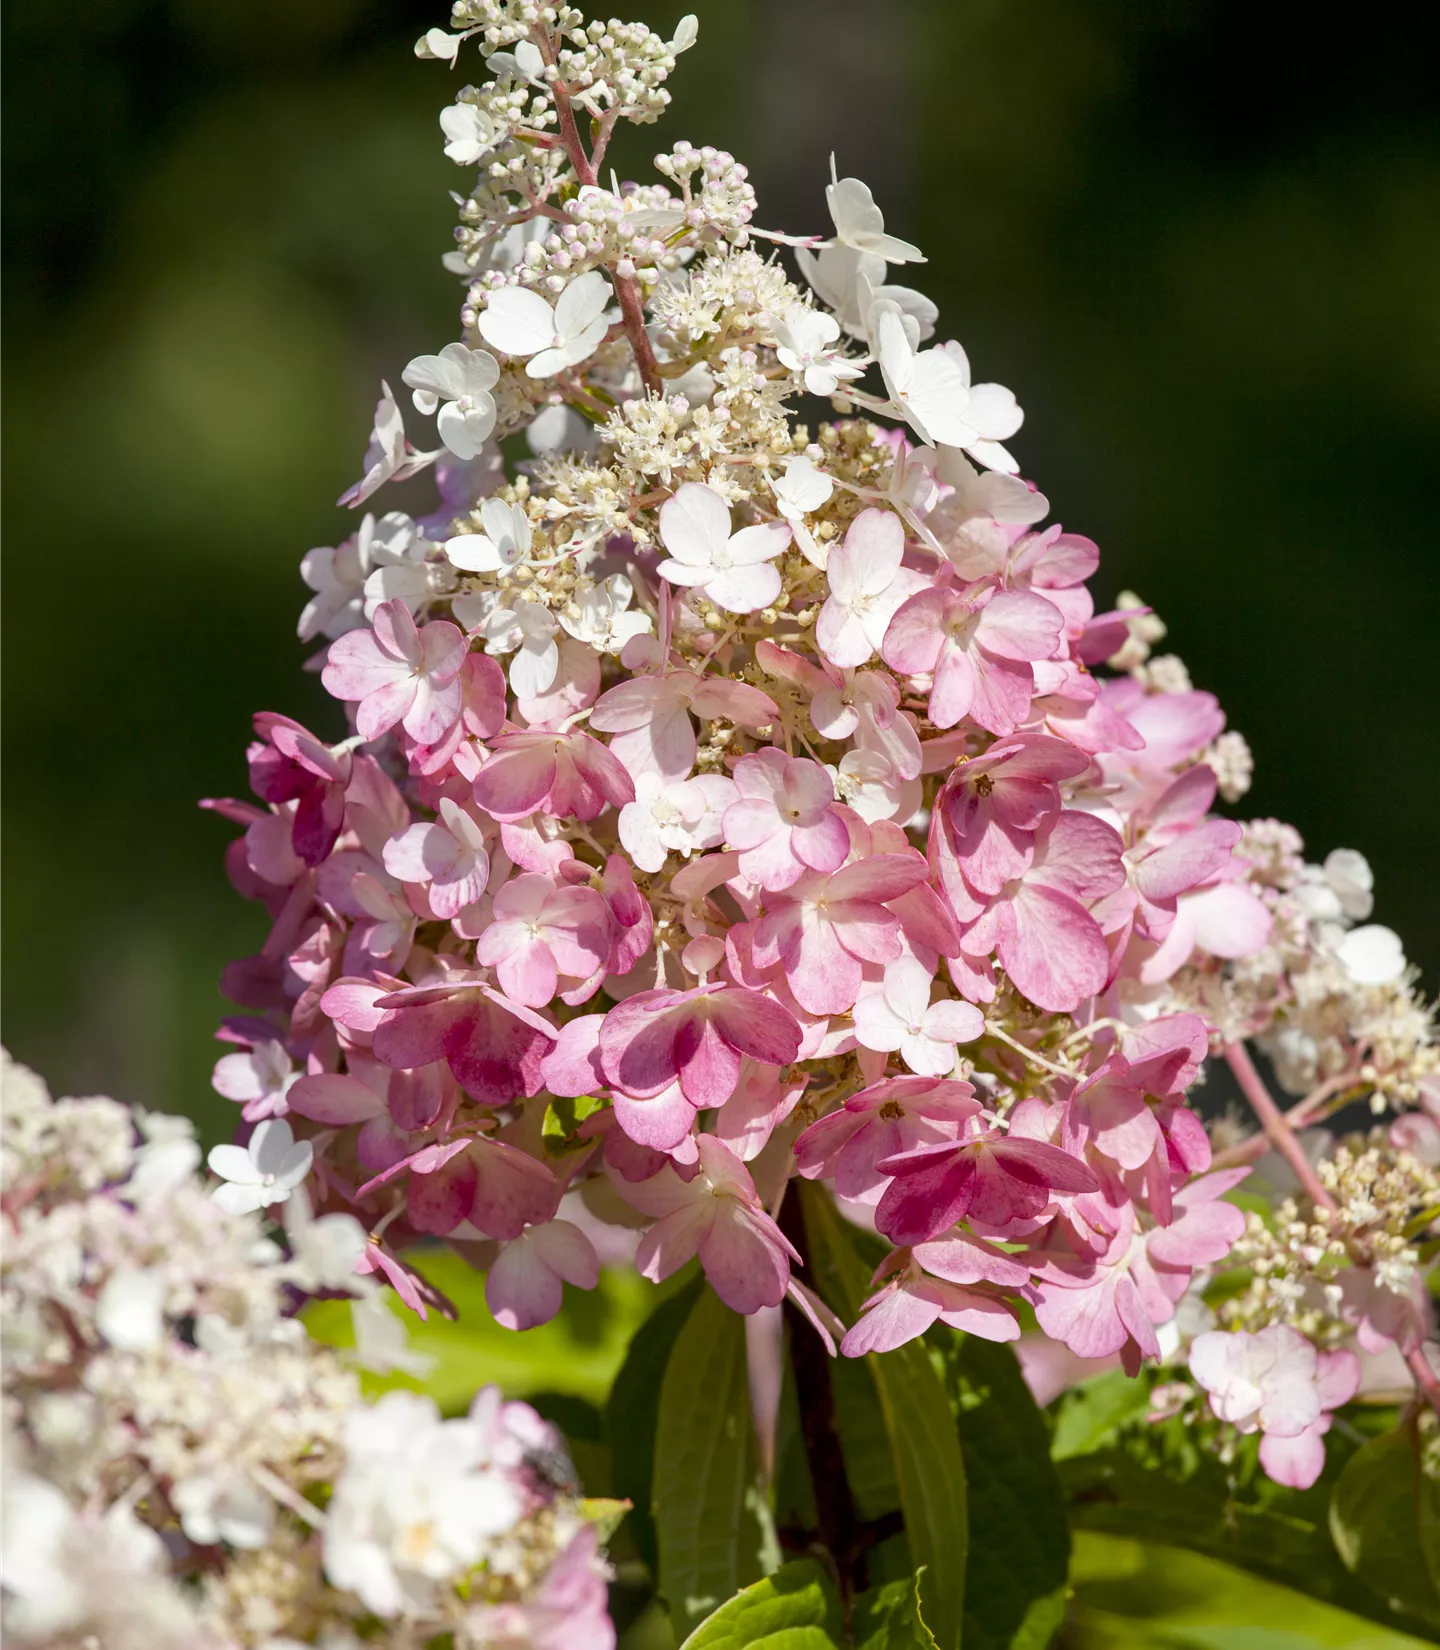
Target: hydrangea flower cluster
185,1469
730,799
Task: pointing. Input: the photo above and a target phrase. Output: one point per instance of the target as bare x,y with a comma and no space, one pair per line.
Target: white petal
695,524
548,362
532,670
744,589
581,303
876,1024
270,1144
927,1058
1372,955
907,989
473,553
559,429
464,431
584,344
860,223
436,43
436,375
993,456
296,1164
517,321
239,1200
130,1310
234,1163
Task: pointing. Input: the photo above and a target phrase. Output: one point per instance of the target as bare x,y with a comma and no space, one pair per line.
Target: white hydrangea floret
263,1172
458,381
860,224
731,568
806,340
415,1505
469,133
521,323
600,616
502,546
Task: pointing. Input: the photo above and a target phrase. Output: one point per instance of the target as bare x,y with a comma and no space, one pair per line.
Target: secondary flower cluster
184,1469
725,804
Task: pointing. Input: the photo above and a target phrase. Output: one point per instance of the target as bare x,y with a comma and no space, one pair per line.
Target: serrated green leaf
1385,1521
797,1608
1019,1538
929,1468
1088,1416
633,1411
704,1464
888,1618
1134,1595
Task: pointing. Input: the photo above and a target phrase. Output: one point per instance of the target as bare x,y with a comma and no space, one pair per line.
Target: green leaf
577,1352
1019,1537
1385,1521
605,1514
1162,1482
888,1618
1043,1619
1089,1415
929,1468
795,1609
563,1117
1134,1595
704,1464
633,1411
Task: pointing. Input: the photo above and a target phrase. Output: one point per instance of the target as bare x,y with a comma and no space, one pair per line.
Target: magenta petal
572,1067
921,1205
709,1066
757,1025
1296,1462
520,1289
512,1191
334,1098
438,1202
637,1043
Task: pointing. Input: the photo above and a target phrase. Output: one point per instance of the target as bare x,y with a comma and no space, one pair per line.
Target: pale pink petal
521,1289
674,1239
898,1316
1296,1462
745,1258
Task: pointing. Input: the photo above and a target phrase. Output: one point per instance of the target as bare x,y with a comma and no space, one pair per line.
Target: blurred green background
1200,241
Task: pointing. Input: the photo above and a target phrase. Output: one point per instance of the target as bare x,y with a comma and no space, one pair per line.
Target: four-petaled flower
520,322
399,673
732,569
458,381
806,340
899,1015
262,1173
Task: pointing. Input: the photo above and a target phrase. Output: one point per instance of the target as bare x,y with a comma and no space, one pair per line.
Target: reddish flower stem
1272,1120
1426,1379
1316,1105
625,288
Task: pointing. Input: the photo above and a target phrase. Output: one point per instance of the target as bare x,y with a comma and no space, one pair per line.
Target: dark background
1200,241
